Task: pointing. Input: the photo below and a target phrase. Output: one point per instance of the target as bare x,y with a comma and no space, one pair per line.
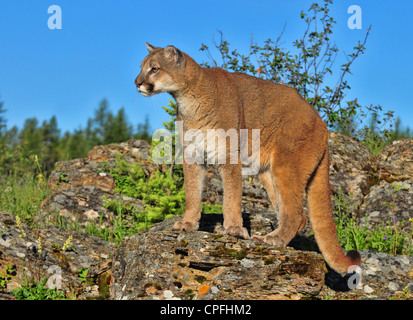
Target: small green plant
374,142
382,238
162,193
376,136
212,208
82,273
94,229
63,177
405,295
38,291
67,245
20,226
55,247
6,273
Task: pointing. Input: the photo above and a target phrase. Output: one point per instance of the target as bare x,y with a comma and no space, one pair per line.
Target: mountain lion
293,147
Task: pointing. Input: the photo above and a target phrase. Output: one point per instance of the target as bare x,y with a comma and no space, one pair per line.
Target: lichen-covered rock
81,186
390,195
397,158
35,254
388,201
347,160
383,276
205,265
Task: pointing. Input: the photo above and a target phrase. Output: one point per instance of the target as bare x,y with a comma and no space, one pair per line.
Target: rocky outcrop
34,254
378,188
81,186
203,265
161,264
390,181
166,265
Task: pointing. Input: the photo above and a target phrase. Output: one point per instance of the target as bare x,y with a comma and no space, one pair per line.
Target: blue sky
98,51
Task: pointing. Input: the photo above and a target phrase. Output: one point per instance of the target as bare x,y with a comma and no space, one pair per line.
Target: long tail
321,218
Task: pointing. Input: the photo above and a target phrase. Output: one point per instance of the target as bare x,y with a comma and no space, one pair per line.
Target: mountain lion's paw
270,239
238,232
183,226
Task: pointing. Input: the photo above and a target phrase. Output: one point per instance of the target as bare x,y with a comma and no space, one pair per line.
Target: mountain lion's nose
137,83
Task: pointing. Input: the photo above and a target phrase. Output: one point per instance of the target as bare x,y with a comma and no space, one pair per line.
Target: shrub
162,193
310,66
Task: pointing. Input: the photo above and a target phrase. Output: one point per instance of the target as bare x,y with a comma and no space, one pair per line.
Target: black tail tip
355,257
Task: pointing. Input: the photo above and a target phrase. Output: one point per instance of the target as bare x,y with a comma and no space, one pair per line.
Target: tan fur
293,146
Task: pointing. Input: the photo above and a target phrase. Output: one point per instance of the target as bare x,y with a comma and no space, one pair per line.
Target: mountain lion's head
161,71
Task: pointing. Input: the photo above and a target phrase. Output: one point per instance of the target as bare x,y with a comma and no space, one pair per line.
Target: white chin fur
146,94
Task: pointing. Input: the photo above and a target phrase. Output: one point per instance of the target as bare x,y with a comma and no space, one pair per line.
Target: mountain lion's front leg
232,183
194,175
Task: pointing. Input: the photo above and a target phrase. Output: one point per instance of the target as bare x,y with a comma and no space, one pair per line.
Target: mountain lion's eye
154,69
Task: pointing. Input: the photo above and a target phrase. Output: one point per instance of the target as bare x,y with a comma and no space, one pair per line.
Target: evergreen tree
50,143
116,128
143,132
3,121
99,122
172,110
77,146
31,138
400,133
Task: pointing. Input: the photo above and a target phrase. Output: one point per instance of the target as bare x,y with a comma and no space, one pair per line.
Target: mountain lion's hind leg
289,194
268,183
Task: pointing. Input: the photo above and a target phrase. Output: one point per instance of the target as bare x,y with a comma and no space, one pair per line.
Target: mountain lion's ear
150,47
173,53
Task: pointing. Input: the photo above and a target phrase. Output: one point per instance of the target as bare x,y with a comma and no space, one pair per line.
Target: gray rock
187,269
30,262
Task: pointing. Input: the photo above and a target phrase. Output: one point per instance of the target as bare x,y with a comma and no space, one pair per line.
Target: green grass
212,208
38,291
387,237
22,196
374,141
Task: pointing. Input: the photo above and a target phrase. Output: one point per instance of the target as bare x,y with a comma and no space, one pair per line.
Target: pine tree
77,146
116,128
3,142
400,133
31,138
172,110
143,131
50,143
3,121
99,122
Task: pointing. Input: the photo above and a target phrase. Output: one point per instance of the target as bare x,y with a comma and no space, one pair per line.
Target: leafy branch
309,67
